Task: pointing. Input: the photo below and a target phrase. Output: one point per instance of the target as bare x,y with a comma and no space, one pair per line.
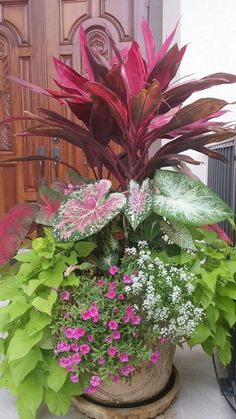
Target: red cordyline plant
133,102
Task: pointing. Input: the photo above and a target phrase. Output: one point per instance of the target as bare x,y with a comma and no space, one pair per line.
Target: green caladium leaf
85,248
139,202
179,234
105,262
186,200
87,211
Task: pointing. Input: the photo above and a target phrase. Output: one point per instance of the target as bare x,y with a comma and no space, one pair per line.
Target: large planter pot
149,393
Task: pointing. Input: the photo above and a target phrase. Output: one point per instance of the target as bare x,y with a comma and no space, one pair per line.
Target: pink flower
126,319
93,310
90,390
101,283
112,286
95,319
162,340
114,310
95,381
84,349
63,347
155,357
86,315
66,362
66,315
76,358
121,297
116,378
79,332
113,270
124,357
129,311
74,347
112,351
71,333
136,320
90,338
65,296
101,361
74,378
113,325
127,369
127,279
108,339
116,335
111,295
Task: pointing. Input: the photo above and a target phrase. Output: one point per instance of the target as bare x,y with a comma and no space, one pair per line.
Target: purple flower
63,347
116,335
86,315
95,381
90,390
74,378
124,357
112,351
95,319
93,310
112,286
71,333
121,297
111,295
113,270
74,347
76,358
162,340
126,319
155,357
116,378
101,361
129,311
113,325
84,349
90,338
114,310
65,296
136,320
127,370
127,279
66,362
101,283
108,339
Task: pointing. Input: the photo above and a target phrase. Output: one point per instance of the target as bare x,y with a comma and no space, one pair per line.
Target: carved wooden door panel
31,33
63,20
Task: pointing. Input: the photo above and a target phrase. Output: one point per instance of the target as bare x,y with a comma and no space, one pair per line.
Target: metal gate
222,177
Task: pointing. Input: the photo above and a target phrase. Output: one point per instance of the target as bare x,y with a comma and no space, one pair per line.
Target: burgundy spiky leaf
139,202
14,226
86,212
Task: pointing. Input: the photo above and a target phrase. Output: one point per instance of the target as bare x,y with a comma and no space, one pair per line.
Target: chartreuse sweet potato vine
29,368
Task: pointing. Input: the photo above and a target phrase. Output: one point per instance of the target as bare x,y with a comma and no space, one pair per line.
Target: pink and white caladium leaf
50,201
139,202
14,226
87,211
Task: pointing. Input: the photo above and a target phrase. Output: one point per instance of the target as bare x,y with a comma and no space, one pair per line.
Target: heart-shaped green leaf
186,200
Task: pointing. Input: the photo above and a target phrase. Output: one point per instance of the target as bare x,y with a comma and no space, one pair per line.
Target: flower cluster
109,325
98,332
163,294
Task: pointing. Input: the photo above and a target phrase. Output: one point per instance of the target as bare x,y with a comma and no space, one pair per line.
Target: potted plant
101,295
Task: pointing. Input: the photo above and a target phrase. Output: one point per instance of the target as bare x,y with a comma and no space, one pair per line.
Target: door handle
56,154
41,152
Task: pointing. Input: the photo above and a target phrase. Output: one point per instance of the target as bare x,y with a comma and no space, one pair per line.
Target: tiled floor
199,396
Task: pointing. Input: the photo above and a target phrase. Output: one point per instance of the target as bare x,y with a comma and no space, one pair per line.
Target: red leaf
83,44
114,81
68,77
145,104
149,43
166,44
220,232
14,226
110,100
135,69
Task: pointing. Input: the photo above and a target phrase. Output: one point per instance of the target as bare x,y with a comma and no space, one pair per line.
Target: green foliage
216,293
29,369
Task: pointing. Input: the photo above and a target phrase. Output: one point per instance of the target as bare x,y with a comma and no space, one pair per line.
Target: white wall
209,27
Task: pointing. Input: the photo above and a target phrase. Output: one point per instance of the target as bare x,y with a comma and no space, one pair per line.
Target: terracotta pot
145,385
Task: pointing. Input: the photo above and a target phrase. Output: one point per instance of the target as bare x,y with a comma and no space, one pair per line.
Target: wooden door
31,33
